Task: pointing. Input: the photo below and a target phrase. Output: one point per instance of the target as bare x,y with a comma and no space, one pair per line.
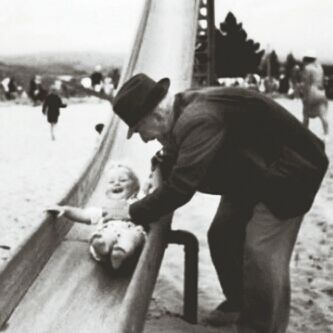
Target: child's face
120,184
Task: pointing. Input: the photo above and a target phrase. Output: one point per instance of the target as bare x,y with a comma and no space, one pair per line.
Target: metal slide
72,293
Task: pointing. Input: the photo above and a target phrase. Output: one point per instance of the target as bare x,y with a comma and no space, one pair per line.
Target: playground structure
51,284
204,56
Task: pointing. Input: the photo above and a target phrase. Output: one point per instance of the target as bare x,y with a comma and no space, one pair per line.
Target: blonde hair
130,172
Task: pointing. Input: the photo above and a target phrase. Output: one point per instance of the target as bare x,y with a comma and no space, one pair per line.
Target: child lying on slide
116,239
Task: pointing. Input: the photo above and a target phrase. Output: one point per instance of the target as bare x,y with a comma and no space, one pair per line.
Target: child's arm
73,213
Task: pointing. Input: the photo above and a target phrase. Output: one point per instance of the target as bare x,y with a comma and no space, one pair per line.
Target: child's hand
56,210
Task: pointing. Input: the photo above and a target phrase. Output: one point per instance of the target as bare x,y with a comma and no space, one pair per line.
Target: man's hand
157,160
162,161
148,185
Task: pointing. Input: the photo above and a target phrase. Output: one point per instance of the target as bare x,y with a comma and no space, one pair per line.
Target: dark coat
51,107
240,144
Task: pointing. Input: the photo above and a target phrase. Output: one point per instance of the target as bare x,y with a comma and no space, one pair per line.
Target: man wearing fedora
264,164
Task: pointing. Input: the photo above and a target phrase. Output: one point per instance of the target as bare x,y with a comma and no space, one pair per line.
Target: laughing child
116,238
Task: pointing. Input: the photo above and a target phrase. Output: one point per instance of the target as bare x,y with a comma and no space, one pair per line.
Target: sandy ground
36,172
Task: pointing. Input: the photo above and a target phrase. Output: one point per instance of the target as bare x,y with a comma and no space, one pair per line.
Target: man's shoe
224,314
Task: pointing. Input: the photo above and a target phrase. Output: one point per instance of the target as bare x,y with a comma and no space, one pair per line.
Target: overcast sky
285,25
29,26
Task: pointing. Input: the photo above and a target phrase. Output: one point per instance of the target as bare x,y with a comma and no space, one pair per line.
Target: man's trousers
251,251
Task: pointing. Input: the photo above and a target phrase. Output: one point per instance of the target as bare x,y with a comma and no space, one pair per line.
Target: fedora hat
138,97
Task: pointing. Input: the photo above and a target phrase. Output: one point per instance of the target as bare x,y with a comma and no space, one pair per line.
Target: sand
36,172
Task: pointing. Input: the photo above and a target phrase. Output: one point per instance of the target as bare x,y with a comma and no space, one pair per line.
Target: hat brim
159,92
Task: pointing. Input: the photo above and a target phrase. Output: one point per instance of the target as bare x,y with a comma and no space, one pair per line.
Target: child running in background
51,107
116,239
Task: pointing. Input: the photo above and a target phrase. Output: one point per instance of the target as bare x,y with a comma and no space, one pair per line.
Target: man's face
151,127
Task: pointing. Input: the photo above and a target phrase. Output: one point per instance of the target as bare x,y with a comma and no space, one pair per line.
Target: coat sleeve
199,141
60,103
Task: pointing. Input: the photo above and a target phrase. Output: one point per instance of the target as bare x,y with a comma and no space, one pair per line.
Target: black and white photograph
166,166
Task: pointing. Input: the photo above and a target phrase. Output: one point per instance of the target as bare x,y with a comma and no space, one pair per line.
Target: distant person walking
295,81
51,107
97,79
36,91
9,87
314,99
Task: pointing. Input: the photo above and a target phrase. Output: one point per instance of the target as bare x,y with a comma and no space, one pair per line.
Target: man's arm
199,143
